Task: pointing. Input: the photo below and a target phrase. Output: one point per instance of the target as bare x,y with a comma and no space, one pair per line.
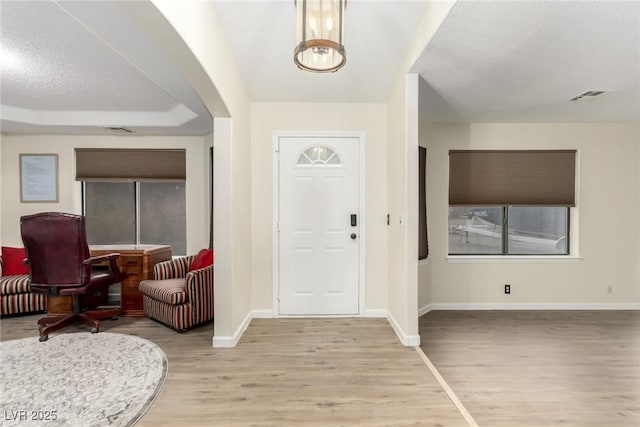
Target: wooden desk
137,261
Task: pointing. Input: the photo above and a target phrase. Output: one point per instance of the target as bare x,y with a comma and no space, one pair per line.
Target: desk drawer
131,264
131,297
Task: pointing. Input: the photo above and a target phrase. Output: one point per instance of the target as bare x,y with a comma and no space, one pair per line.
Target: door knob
353,236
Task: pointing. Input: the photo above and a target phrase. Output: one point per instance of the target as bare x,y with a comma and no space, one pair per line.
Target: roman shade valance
512,177
120,164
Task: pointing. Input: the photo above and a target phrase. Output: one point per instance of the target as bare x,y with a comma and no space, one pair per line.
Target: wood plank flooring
509,368
286,372
539,368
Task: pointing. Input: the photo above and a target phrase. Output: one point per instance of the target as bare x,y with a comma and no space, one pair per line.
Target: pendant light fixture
319,36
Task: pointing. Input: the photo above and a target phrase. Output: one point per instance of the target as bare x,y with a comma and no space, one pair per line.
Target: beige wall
197,24
2,136
605,227
197,184
397,195
402,166
225,96
267,118
424,285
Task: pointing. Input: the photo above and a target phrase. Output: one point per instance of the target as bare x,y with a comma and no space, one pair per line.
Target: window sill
529,259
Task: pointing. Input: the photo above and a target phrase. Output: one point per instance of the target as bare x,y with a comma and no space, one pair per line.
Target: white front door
318,222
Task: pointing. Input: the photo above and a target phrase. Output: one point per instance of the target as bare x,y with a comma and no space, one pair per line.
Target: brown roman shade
512,177
423,241
119,164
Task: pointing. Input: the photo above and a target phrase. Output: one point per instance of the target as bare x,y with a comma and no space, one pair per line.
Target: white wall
267,118
607,224
197,184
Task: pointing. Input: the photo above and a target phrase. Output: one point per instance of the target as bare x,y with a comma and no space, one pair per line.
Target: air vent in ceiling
117,129
587,95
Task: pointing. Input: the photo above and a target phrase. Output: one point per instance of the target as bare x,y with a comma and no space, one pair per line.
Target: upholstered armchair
15,293
178,297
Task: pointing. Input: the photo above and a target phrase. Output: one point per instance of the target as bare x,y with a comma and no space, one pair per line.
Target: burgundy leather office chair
60,264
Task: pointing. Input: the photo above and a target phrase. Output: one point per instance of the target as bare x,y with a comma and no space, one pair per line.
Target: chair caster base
114,317
43,338
94,330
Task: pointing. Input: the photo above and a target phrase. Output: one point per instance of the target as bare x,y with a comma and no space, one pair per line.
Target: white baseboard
232,341
535,306
223,342
262,314
376,313
424,310
228,341
407,340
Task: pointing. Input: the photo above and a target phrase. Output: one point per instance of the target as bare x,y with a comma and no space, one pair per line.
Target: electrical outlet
507,289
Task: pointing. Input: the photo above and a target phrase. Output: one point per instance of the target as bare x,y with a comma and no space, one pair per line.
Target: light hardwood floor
286,372
539,368
509,368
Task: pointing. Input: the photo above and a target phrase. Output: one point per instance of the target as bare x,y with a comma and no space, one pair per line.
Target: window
136,213
508,230
318,155
110,211
134,196
510,202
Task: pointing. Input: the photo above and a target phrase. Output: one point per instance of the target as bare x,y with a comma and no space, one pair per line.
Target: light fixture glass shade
320,30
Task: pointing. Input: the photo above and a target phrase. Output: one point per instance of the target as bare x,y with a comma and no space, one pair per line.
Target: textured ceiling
81,65
523,60
51,76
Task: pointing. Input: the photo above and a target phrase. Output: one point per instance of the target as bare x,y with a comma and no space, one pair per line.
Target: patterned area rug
79,379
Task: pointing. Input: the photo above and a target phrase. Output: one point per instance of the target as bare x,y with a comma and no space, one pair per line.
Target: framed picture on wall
38,178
